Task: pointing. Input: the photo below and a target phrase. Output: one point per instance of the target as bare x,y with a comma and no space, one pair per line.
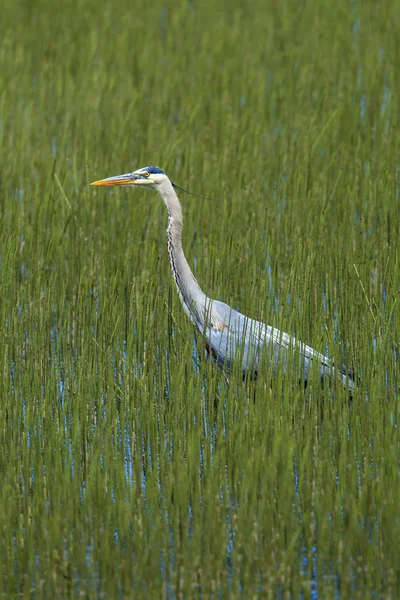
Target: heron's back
232,336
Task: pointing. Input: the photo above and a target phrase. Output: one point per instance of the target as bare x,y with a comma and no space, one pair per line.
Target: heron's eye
146,174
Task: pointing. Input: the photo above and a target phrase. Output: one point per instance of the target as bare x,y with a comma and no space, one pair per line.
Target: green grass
128,469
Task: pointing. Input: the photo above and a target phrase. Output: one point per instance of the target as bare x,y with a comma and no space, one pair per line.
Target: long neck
190,293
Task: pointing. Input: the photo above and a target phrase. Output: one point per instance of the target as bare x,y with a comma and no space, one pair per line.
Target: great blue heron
228,334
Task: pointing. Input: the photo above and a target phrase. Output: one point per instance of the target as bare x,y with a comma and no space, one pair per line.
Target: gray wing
231,336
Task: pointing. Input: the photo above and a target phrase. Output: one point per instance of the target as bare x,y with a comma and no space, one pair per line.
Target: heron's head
150,177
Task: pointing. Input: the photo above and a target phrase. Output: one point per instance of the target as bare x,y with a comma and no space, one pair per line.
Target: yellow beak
127,179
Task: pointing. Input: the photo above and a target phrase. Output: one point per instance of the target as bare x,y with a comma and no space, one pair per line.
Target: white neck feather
190,293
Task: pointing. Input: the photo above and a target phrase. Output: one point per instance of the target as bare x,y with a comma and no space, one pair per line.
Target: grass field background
129,467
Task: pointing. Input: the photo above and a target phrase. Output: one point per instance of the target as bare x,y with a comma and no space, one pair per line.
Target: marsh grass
129,466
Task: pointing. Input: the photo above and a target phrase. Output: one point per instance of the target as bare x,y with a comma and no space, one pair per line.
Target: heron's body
229,335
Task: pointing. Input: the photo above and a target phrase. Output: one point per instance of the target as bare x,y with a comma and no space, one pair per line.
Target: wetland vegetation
129,466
